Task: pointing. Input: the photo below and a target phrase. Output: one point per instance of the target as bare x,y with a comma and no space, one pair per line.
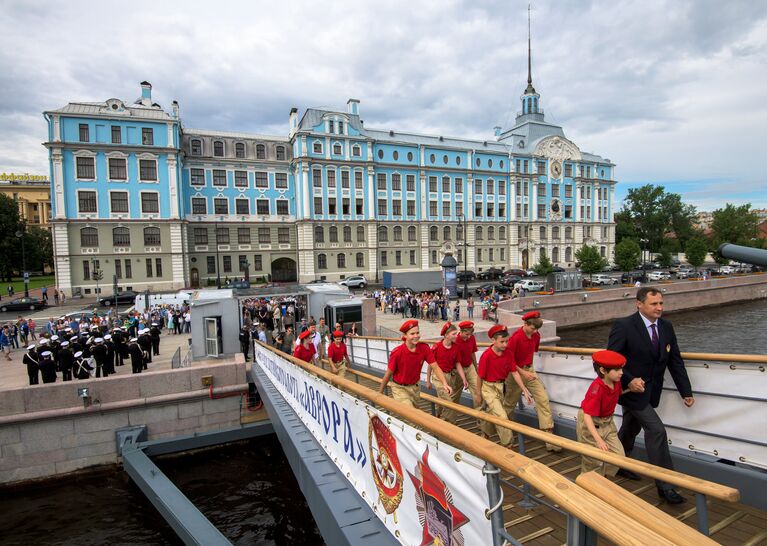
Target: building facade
331,199
32,194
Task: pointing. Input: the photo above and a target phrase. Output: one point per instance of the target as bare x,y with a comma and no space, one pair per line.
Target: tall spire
530,89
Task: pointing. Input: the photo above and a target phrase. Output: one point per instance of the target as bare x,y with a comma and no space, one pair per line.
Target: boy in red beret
596,426
467,347
405,364
448,359
337,354
495,365
305,349
523,344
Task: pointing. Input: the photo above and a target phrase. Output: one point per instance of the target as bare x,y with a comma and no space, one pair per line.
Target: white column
179,265
307,195
173,187
372,194
58,185
62,258
534,203
577,205
610,192
513,200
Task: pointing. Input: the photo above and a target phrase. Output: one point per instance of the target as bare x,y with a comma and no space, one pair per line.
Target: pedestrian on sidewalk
44,293
55,296
5,342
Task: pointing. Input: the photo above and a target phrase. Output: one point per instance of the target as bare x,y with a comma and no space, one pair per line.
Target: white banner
410,479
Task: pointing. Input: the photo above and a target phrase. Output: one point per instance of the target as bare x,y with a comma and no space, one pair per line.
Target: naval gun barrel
745,254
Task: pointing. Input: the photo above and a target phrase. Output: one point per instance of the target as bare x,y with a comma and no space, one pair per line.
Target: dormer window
280,153
340,127
218,149
239,150
260,151
331,126
196,147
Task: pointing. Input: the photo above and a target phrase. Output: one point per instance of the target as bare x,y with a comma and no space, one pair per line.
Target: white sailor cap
108,336
78,354
67,329
155,324
99,340
46,353
30,347
64,344
133,340
54,337
44,341
74,338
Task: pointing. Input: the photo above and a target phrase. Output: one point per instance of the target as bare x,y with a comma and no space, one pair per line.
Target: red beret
303,335
445,328
609,359
531,315
338,333
466,325
408,325
497,329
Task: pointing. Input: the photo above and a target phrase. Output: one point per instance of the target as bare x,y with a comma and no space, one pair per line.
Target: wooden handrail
673,477
645,513
591,510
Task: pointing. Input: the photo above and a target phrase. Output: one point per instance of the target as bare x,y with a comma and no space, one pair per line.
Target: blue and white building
136,195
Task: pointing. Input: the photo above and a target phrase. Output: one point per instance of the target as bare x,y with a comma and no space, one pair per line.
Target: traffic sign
26,275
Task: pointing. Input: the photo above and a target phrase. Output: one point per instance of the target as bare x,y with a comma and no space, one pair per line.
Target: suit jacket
630,337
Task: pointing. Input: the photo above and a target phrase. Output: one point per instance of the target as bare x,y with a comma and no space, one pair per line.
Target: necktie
654,337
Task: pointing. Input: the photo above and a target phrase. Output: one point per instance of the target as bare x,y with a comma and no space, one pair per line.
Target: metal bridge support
578,534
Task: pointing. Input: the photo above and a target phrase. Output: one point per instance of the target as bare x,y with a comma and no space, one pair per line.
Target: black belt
501,381
404,384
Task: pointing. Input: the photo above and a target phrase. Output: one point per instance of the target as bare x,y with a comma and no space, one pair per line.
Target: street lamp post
20,235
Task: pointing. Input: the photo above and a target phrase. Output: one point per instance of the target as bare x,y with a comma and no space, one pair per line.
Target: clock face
556,169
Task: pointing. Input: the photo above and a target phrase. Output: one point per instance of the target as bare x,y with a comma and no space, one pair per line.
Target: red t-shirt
600,399
521,348
302,353
446,358
493,367
407,365
337,353
466,349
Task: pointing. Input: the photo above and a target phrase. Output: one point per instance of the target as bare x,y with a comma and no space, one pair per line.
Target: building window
478,233
258,262
356,151
358,206
281,180
241,206
458,208
384,259
227,264
86,270
479,254
147,170
243,236
433,184
478,209
490,210
150,202
147,136
218,148
433,233
280,150
341,261
151,236
501,187
222,236
347,234
358,180
411,208
411,233
397,257
568,191
340,127
262,207
317,147
478,187
433,209
121,236
199,205
89,237
459,185
196,147
541,167
337,150
542,211
433,257
445,209
410,181
200,236
86,168
331,178
331,126
116,134
262,180
197,177
84,133
318,205
333,234
149,268
332,206
157,266
241,261
282,207
459,233
118,202
211,264
396,208
345,207
118,169
502,233
445,184
360,234
360,259
317,178
491,233
383,234
396,182
541,190
412,257
322,261
381,177
264,235
241,179
397,233
345,179
260,151
239,150
383,208
87,202
319,234
118,269
220,205
446,233
283,235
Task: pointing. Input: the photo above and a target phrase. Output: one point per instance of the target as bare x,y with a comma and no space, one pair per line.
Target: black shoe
670,496
628,474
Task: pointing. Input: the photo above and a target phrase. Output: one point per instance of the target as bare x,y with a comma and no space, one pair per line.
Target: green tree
10,247
627,254
624,227
695,252
39,248
590,259
664,257
651,213
737,225
544,266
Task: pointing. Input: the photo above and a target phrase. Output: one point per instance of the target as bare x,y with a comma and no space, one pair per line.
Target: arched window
333,234
433,233
218,148
360,259
341,261
543,233
151,236
239,150
397,233
555,254
322,261
347,234
491,233
280,153
478,233
260,151
446,233
89,237
568,233
502,233
360,234
383,234
459,233
555,233
319,234
196,148
411,233
121,236
568,254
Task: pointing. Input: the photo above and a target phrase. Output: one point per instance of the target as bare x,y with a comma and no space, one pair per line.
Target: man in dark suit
649,344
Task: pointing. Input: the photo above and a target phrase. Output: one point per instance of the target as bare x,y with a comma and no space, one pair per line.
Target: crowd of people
435,305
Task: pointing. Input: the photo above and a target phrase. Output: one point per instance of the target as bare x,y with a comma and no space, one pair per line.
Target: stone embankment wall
45,430
572,309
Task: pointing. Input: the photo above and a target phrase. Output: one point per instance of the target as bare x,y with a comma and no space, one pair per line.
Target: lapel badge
668,348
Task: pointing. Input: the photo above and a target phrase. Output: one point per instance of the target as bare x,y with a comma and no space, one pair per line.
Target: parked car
684,272
355,281
603,280
530,273
317,281
238,284
517,272
659,276
489,287
632,277
510,280
129,296
490,274
727,270
530,285
466,276
23,304
558,269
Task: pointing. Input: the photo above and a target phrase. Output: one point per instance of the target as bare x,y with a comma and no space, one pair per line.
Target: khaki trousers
537,391
409,395
492,394
470,372
443,413
609,433
341,369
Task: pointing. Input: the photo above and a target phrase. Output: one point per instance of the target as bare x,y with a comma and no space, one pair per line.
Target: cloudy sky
672,91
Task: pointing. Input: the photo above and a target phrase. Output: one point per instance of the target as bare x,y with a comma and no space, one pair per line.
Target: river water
736,328
247,490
